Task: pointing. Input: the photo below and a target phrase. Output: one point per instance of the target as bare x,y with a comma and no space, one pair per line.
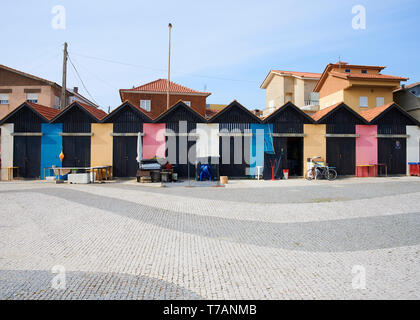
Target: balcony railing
311,102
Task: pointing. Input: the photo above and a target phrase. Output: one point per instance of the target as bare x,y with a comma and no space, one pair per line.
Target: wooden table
382,165
102,172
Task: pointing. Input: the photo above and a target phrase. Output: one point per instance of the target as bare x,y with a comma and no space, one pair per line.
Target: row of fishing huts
33,136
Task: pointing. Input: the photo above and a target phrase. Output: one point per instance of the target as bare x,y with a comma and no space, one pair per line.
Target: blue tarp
51,146
261,142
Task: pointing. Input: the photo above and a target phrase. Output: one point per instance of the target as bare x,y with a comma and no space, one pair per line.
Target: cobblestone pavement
292,239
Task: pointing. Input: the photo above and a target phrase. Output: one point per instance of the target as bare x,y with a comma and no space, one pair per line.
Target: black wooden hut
127,123
392,122
235,134
181,124
27,120
341,121
287,136
77,119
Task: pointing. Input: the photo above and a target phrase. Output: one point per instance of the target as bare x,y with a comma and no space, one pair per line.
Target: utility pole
169,68
64,84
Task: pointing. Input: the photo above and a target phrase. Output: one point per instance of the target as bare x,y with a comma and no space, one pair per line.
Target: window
363,101
145,104
32,97
364,71
188,103
4,98
347,70
380,101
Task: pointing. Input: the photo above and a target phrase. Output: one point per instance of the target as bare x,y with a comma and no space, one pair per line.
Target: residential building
17,87
152,97
408,97
360,87
290,86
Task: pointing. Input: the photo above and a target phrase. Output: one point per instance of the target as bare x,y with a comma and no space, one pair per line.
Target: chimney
76,89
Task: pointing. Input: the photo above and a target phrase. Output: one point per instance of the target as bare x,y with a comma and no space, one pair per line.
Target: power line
162,70
83,84
110,85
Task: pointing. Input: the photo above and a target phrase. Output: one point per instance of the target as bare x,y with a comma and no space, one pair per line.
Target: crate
414,168
79,178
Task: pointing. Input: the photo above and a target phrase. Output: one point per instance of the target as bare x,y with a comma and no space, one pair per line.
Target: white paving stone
119,243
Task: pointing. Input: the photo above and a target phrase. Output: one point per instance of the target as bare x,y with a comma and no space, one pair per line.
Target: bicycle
319,172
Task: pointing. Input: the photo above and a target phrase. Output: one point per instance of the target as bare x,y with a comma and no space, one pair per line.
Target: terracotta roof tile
321,113
46,112
371,114
160,85
367,76
96,112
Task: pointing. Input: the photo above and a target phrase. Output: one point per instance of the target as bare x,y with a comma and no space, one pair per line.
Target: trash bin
414,168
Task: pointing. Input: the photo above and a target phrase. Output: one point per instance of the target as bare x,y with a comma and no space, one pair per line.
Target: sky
223,47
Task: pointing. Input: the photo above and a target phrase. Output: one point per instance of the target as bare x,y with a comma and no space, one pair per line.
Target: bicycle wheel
309,175
331,174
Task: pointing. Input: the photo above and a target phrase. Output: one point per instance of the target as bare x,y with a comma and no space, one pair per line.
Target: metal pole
169,67
64,84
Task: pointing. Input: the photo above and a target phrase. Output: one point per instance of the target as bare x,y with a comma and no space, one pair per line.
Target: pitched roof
371,114
375,113
160,86
321,115
96,112
28,75
171,109
44,112
230,106
286,105
345,65
299,74
127,103
47,112
367,76
51,83
323,112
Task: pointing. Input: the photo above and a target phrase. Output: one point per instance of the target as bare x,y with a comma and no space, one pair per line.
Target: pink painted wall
154,140
366,144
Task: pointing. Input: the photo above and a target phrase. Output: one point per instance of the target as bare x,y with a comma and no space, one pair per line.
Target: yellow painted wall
101,144
352,96
331,99
314,143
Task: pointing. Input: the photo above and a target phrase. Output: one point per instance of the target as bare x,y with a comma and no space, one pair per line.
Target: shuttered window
4,98
32,97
